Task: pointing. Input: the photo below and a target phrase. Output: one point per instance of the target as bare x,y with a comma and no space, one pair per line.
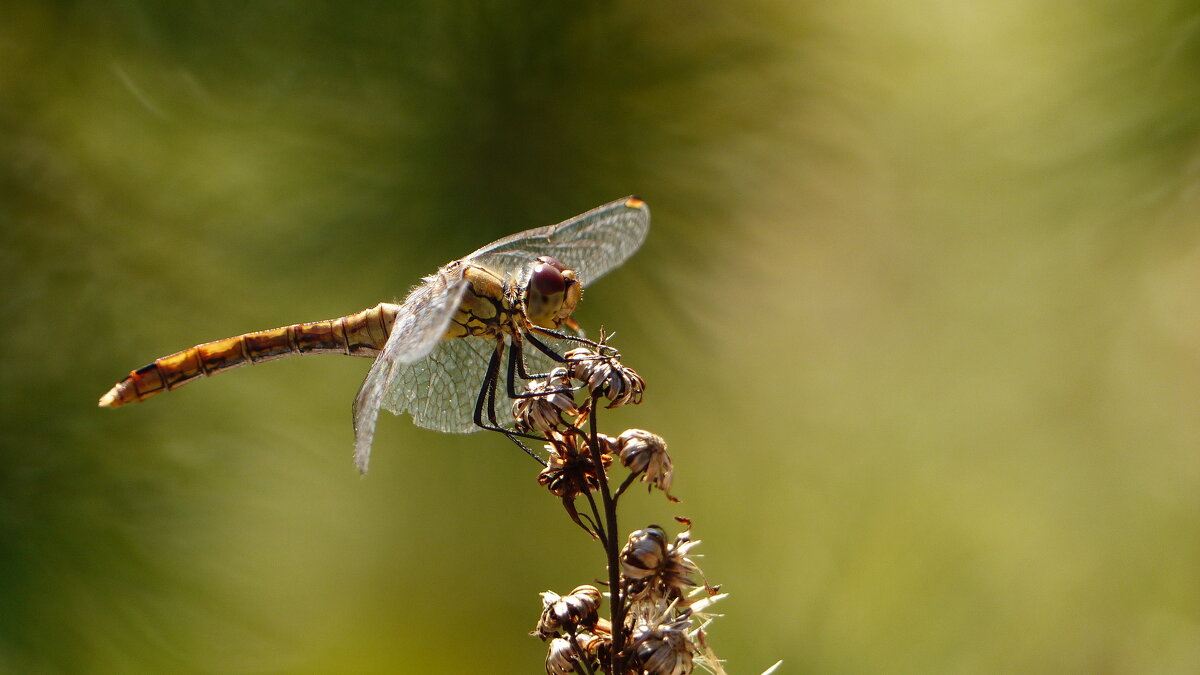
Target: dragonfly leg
603,349
487,397
516,368
543,348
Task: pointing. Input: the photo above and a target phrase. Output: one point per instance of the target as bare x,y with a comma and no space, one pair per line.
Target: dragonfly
438,355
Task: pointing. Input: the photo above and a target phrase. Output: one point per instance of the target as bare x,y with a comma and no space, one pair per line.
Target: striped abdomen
361,334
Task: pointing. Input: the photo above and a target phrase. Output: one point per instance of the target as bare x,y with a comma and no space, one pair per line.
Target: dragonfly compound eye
547,277
552,293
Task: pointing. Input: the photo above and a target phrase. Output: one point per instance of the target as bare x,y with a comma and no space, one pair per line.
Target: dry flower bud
566,614
594,645
654,569
581,354
605,377
663,649
644,554
560,657
680,572
642,451
570,470
543,413
608,444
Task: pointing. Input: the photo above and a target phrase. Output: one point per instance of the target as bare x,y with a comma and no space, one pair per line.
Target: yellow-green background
918,314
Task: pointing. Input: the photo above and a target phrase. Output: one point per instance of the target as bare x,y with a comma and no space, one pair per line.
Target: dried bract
560,657
644,553
570,470
605,377
654,569
663,649
642,451
543,412
595,646
567,614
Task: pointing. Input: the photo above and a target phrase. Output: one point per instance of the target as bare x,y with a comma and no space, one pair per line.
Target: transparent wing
420,325
440,390
591,243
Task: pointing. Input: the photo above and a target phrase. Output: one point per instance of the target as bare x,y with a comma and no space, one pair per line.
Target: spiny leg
516,367
491,407
598,346
541,347
548,351
487,397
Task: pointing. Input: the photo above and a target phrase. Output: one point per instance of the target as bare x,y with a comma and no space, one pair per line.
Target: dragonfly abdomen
360,334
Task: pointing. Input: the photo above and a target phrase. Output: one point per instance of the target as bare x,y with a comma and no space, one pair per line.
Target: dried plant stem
587,667
633,475
597,522
611,552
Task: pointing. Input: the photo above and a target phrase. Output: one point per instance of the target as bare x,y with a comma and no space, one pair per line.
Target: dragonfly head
551,294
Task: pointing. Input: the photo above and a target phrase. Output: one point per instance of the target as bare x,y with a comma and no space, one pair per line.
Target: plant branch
582,660
625,484
617,600
598,528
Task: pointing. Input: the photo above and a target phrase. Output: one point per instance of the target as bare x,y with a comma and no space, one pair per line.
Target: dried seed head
570,470
595,646
608,444
644,553
643,451
567,614
605,377
543,413
680,573
560,657
664,648
654,569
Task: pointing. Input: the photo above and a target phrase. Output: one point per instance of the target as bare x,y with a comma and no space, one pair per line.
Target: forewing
420,325
591,243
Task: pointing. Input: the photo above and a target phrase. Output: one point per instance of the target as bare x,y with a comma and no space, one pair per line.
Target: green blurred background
918,314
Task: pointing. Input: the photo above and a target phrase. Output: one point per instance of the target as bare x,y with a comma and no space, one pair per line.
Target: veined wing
440,391
591,244
420,325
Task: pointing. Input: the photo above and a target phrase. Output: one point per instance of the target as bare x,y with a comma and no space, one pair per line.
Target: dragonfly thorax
492,306
486,309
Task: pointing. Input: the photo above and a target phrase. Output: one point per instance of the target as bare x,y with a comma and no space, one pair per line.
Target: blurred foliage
918,314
